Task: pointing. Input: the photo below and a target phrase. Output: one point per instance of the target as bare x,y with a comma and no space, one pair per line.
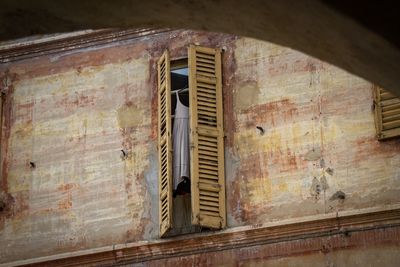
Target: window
387,114
207,178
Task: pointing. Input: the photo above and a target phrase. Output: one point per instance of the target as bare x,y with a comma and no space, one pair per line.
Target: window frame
207,168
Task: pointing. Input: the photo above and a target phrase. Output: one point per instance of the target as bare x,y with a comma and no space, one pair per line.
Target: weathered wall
318,133
71,114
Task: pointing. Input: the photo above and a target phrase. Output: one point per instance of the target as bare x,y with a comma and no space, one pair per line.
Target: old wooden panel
164,144
207,142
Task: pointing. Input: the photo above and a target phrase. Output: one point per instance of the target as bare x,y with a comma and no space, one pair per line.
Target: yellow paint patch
23,130
129,116
246,96
283,187
260,190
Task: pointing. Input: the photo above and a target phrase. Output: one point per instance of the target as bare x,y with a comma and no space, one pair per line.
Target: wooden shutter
387,114
206,137
164,143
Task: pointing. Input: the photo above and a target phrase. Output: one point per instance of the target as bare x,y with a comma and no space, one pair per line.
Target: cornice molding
346,225
96,38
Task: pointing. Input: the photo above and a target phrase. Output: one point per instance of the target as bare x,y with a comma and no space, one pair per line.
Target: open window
203,99
387,114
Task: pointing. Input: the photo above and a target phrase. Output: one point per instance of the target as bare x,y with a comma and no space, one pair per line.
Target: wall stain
8,122
77,100
271,114
130,115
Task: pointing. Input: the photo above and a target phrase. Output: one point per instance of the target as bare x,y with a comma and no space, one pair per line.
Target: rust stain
138,182
283,64
250,169
289,162
65,203
66,187
77,100
368,147
257,167
272,114
228,82
7,202
20,204
8,122
154,97
357,100
79,60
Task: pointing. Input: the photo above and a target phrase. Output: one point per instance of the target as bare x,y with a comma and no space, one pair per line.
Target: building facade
306,180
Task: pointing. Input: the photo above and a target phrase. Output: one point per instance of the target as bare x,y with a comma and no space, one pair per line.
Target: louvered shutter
387,114
206,137
164,144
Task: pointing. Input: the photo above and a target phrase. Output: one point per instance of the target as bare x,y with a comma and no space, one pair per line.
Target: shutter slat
164,144
391,112
210,194
206,99
209,167
206,86
204,60
208,65
206,91
208,174
209,70
208,163
209,187
208,144
209,148
206,108
393,117
205,56
206,104
209,208
207,75
387,95
391,125
210,213
207,114
387,114
208,198
206,80
391,106
212,203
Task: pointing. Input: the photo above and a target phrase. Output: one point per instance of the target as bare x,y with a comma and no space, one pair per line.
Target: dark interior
179,81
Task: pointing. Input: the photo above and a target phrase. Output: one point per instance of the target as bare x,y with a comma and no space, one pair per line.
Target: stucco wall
318,132
71,114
